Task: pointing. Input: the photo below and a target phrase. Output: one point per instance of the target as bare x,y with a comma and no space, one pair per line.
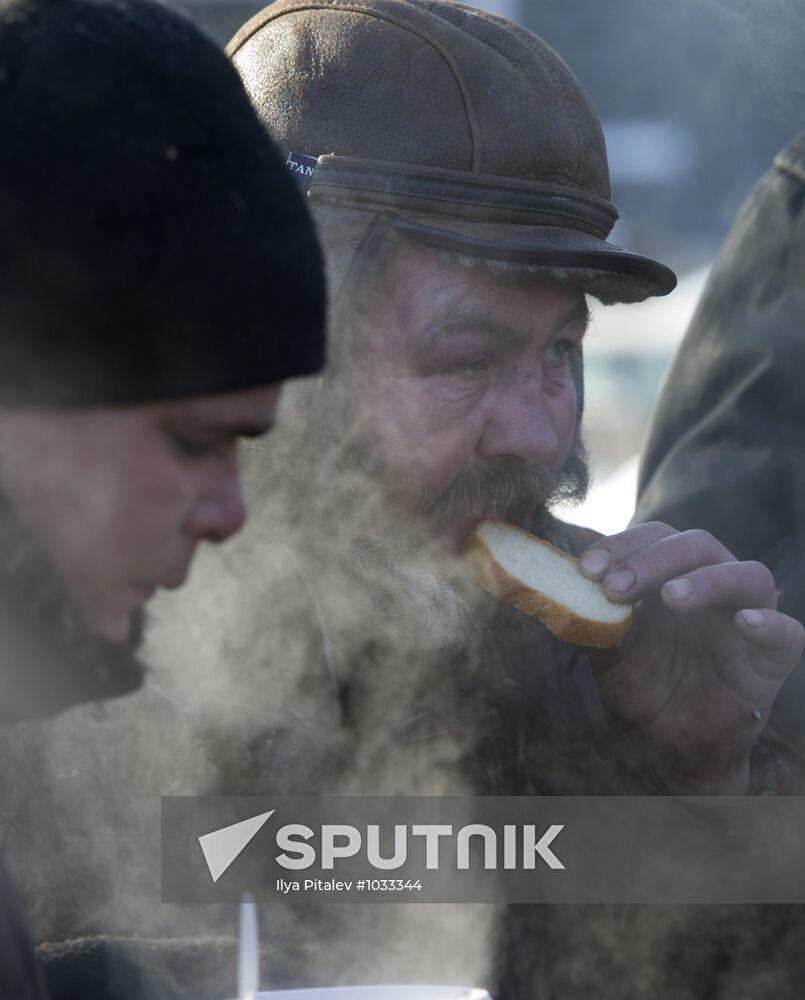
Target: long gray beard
422,595
337,508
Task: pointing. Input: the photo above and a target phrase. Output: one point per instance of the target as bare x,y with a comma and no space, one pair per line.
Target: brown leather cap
462,123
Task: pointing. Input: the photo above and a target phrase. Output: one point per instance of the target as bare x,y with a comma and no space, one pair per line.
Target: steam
332,647
766,34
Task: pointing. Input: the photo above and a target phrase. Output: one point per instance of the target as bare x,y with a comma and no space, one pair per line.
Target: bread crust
562,621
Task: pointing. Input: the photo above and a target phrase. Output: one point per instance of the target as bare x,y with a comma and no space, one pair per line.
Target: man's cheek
442,403
441,464
393,426
566,418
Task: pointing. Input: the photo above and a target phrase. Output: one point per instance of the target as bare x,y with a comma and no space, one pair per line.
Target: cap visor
606,271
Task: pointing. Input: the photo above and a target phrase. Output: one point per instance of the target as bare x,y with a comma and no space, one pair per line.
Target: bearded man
459,179
139,193
477,227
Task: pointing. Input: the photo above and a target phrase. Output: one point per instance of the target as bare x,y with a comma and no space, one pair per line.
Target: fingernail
753,619
620,581
595,561
680,590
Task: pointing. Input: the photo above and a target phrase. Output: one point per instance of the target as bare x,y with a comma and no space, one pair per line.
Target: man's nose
219,511
520,424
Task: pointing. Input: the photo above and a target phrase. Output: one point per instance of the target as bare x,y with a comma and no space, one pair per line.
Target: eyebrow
235,428
245,429
487,326
253,430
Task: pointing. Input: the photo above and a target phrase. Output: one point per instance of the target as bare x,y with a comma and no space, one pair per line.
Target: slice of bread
546,583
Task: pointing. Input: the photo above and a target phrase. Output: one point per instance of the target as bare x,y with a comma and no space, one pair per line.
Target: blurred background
696,98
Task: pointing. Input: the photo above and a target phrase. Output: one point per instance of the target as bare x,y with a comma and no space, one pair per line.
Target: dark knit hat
153,244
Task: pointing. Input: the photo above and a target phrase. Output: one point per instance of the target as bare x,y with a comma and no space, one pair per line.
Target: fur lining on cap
342,231
607,288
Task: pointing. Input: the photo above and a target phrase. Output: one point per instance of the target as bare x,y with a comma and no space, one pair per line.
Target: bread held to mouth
545,582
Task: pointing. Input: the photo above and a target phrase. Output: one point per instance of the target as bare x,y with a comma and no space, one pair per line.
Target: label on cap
303,166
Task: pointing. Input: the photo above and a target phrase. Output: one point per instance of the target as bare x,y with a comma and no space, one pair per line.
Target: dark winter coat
20,976
47,662
726,450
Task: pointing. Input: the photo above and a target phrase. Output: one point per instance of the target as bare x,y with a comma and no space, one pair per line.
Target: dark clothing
519,715
104,968
49,662
20,977
726,453
726,450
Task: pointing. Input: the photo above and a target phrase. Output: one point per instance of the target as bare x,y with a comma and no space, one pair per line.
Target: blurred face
463,378
118,498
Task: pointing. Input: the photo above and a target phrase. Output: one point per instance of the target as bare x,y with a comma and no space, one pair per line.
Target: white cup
391,992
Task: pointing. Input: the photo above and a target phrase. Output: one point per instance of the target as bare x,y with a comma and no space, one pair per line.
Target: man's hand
706,655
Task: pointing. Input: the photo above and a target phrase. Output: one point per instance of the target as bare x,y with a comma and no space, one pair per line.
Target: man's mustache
494,489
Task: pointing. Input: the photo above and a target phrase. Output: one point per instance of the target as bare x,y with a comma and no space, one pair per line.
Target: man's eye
559,350
191,447
478,366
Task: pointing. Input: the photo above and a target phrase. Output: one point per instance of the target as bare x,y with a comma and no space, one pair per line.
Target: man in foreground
459,179
159,279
